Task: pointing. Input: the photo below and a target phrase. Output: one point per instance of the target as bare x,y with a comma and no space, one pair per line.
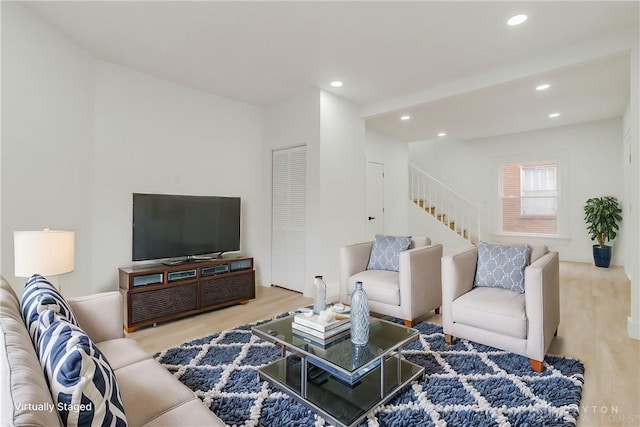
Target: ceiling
453,66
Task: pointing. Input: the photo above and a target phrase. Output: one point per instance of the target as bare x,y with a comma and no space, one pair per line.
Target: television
174,226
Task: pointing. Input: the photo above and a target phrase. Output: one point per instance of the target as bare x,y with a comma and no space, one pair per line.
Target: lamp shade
46,252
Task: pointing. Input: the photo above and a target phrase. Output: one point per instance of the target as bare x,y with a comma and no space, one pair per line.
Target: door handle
372,217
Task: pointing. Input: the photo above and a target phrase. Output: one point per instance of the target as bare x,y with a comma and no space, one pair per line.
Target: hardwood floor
593,328
269,302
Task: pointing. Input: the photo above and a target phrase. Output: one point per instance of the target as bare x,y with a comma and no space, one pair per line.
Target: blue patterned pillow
82,383
40,295
385,253
501,266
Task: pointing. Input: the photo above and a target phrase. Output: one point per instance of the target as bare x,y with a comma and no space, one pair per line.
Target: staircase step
464,233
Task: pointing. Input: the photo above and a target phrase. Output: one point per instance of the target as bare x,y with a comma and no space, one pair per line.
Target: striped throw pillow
39,295
82,383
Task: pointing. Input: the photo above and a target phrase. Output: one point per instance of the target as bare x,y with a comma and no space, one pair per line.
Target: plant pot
602,256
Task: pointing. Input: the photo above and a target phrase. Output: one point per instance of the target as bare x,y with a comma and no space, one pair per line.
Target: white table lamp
46,252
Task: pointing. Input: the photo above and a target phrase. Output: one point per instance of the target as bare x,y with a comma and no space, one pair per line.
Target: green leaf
602,215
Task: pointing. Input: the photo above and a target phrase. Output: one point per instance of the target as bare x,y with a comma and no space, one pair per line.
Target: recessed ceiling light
405,117
543,86
517,20
554,115
442,134
336,84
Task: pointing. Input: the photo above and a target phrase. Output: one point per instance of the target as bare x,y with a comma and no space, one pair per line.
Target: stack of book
313,331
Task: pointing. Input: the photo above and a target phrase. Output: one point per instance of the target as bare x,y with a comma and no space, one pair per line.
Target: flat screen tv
173,226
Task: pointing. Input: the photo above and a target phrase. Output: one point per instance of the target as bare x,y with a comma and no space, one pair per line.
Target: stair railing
453,210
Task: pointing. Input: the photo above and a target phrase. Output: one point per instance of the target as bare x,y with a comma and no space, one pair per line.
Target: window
530,197
538,193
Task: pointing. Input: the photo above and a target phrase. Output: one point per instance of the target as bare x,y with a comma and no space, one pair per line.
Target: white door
288,223
375,199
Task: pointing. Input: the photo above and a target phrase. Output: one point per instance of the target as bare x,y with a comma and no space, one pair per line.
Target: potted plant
602,215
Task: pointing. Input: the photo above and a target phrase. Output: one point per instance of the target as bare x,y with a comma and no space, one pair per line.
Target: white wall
341,209
291,123
333,132
471,168
394,155
152,136
79,138
80,135
632,125
47,129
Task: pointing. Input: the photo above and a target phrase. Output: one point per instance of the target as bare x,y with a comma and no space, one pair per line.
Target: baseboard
633,328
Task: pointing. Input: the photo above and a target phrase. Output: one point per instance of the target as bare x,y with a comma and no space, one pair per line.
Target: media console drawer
241,264
228,288
148,279
157,293
163,303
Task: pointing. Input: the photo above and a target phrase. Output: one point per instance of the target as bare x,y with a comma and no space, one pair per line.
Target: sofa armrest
458,271
100,315
353,259
542,303
420,281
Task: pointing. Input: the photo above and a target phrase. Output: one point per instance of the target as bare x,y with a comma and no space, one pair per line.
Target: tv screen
171,226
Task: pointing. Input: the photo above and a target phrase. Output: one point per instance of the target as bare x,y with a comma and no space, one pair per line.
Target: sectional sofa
151,396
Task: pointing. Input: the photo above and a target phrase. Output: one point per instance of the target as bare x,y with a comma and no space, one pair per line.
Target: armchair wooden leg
438,310
408,323
449,339
536,365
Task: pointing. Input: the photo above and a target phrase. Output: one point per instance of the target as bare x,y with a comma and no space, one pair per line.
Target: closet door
288,223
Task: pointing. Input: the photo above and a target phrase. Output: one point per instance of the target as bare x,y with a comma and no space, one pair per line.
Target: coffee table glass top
384,337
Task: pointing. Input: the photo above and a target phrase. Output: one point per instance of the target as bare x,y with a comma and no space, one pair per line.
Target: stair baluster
455,212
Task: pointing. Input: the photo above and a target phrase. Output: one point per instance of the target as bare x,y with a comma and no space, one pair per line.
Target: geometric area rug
467,384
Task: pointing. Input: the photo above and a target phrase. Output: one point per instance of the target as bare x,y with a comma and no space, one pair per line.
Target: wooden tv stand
157,293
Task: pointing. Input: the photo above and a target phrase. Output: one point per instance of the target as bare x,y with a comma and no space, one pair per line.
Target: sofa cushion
151,391
192,410
39,295
385,253
501,266
380,285
82,383
499,310
26,399
121,352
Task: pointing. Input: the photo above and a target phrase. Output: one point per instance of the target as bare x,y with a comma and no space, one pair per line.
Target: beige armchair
521,323
407,294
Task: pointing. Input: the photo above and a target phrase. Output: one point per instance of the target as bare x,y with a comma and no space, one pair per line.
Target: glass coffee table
341,381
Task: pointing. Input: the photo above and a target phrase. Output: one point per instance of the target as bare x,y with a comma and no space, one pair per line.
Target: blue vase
359,316
359,355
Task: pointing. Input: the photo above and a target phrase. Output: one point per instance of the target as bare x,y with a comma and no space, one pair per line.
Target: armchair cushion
385,254
495,309
380,285
501,266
